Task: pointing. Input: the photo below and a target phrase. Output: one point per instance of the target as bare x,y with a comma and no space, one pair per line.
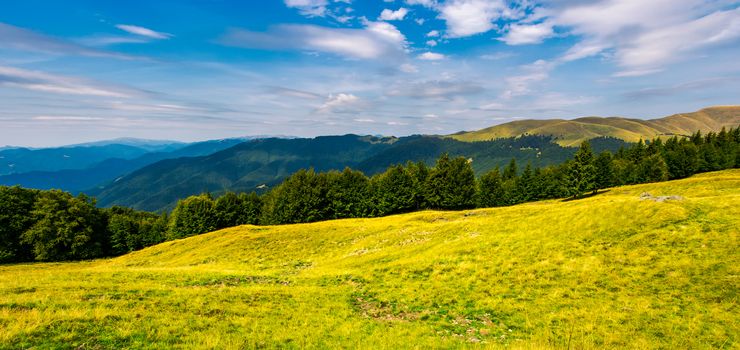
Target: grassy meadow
608,271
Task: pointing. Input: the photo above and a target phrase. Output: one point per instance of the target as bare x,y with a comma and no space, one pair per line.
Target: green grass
609,271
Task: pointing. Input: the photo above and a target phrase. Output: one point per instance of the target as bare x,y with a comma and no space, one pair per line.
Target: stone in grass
648,196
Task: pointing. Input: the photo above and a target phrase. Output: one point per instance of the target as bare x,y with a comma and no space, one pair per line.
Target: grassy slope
573,132
605,271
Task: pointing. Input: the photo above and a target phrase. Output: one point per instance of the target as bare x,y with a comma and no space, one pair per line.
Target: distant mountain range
87,176
573,132
153,175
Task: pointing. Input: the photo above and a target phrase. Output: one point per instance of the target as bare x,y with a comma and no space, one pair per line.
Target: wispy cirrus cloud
309,7
142,31
20,39
59,84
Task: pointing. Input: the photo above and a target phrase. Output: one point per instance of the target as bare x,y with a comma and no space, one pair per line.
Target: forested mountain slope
248,166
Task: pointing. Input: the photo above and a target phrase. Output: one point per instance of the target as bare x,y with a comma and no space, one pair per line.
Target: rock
648,196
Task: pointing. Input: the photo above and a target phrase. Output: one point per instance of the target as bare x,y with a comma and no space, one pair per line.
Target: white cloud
141,31
431,56
57,84
643,36
431,43
470,17
425,3
390,15
311,8
527,33
20,39
409,68
433,34
520,85
376,40
340,103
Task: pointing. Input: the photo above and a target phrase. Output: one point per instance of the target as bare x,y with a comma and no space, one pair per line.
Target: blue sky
75,71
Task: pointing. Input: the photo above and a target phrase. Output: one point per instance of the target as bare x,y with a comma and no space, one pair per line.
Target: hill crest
571,132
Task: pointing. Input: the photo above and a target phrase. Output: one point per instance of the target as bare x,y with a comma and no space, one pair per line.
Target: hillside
107,170
609,271
269,161
573,132
21,160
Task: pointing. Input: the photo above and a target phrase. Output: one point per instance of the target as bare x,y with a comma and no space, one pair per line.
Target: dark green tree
419,173
582,172
652,169
349,194
491,190
302,197
192,216
66,228
511,170
605,176
16,205
451,184
393,191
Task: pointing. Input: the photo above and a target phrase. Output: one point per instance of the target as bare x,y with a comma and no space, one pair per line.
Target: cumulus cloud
390,15
470,17
141,31
376,40
431,56
520,34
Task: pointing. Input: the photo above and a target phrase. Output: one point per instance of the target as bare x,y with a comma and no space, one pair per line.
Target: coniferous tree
511,170
582,172
451,184
491,190
524,185
604,170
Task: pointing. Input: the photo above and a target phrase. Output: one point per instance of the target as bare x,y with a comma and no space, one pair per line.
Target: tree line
54,225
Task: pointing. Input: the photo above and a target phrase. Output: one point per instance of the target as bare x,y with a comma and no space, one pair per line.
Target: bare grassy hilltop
573,132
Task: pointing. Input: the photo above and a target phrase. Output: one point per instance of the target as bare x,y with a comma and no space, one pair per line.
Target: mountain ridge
571,132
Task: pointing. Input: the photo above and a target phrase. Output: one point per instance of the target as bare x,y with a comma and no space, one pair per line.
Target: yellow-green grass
608,271
573,132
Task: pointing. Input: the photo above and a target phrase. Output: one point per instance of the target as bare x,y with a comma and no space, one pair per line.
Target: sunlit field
607,271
